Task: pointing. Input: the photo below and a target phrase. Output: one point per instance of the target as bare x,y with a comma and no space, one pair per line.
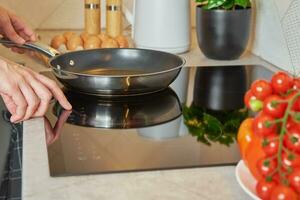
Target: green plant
224,4
210,126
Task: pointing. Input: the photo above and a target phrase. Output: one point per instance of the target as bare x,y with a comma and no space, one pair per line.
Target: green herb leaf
223,4
228,4
243,3
215,3
213,126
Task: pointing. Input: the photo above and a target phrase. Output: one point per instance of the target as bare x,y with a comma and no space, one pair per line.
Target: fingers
27,93
14,28
55,90
18,50
20,26
31,98
21,105
10,105
9,31
41,91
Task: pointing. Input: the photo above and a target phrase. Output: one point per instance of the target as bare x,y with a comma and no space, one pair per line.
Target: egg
74,43
92,42
62,48
110,43
84,36
122,41
68,34
103,37
57,41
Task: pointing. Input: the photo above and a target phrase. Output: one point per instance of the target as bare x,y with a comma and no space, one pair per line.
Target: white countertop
186,184
198,183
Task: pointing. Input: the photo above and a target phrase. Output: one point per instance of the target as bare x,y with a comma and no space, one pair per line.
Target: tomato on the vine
266,166
296,105
248,97
274,107
294,180
296,84
290,161
264,125
261,89
264,188
245,135
270,145
292,139
282,192
281,82
290,123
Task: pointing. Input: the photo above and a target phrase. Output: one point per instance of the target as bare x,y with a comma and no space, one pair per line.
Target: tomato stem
280,101
286,150
276,121
273,172
281,135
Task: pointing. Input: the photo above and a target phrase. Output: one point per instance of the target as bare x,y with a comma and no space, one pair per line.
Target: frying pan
110,72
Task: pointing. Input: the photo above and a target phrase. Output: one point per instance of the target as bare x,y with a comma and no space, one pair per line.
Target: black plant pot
223,34
220,88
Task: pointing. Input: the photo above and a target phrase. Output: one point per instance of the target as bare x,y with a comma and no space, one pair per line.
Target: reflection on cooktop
148,132
122,112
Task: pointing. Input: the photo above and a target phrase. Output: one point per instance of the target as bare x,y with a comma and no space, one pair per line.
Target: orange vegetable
245,135
253,154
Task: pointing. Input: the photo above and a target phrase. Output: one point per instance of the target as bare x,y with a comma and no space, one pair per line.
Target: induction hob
141,133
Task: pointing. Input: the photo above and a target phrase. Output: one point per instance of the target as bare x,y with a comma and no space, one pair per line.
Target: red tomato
261,89
294,180
296,105
245,135
248,97
253,154
282,192
290,123
264,189
270,145
292,139
266,166
261,127
281,82
273,107
291,160
296,84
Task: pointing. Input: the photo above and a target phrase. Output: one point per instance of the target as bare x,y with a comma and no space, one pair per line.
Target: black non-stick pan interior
116,61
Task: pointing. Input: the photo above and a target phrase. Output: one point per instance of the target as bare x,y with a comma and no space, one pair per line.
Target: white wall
271,40
51,14
269,43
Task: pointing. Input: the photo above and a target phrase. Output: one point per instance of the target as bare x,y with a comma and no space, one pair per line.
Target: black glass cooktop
149,132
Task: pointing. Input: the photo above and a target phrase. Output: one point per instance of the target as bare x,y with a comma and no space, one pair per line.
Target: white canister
162,25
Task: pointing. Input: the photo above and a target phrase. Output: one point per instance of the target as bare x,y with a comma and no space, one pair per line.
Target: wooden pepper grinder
114,18
92,17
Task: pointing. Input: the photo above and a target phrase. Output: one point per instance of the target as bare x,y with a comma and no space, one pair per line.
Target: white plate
246,180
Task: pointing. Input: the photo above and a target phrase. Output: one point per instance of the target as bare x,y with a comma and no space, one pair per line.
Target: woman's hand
13,28
26,93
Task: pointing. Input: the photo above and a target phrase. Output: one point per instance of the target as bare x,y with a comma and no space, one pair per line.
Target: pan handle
37,46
